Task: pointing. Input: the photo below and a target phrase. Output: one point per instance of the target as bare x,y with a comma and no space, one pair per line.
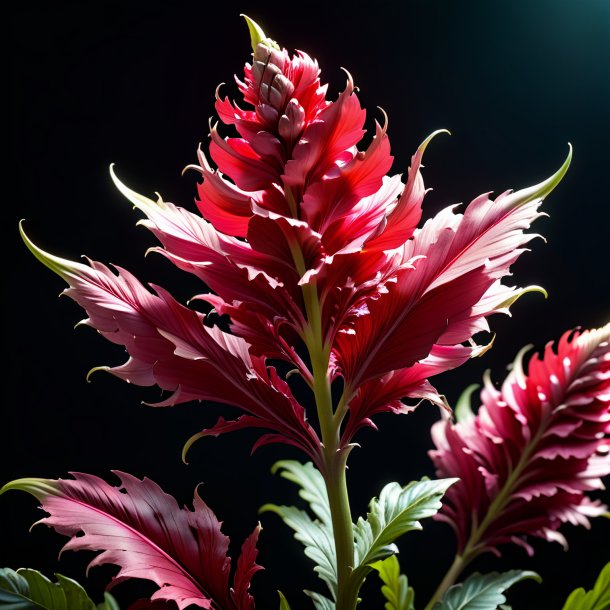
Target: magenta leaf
170,346
140,528
536,447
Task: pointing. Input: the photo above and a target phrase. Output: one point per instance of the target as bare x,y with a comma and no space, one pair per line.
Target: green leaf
29,590
41,590
596,599
76,596
396,511
463,409
321,602
482,591
311,482
14,592
110,603
315,534
284,605
395,585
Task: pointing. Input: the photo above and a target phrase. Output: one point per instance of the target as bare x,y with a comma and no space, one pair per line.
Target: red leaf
447,283
169,345
540,444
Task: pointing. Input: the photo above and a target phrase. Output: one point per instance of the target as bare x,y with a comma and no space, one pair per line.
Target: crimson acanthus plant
313,251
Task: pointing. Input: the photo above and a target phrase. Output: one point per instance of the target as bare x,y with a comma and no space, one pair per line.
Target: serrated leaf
396,511
321,602
315,534
482,591
597,598
395,585
140,528
28,589
312,484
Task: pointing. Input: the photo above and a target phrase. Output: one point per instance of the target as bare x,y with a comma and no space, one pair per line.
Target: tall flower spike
305,242
535,448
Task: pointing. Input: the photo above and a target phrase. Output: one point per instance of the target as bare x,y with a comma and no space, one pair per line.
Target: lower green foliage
482,591
597,598
395,587
27,589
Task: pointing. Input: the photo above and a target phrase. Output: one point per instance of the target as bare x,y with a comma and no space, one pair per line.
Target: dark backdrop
133,83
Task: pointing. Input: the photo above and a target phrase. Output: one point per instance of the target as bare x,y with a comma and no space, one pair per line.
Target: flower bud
280,90
267,115
269,56
264,72
291,122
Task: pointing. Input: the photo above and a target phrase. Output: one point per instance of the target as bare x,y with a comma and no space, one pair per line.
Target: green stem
334,458
336,486
458,565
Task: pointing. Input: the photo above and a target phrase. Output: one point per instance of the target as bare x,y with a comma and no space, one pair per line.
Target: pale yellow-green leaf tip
422,147
284,605
518,294
463,408
140,202
257,36
56,264
39,488
96,369
541,190
189,443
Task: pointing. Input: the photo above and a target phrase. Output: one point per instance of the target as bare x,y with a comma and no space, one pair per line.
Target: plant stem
334,458
336,486
459,563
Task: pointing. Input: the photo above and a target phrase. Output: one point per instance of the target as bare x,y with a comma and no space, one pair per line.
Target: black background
133,83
